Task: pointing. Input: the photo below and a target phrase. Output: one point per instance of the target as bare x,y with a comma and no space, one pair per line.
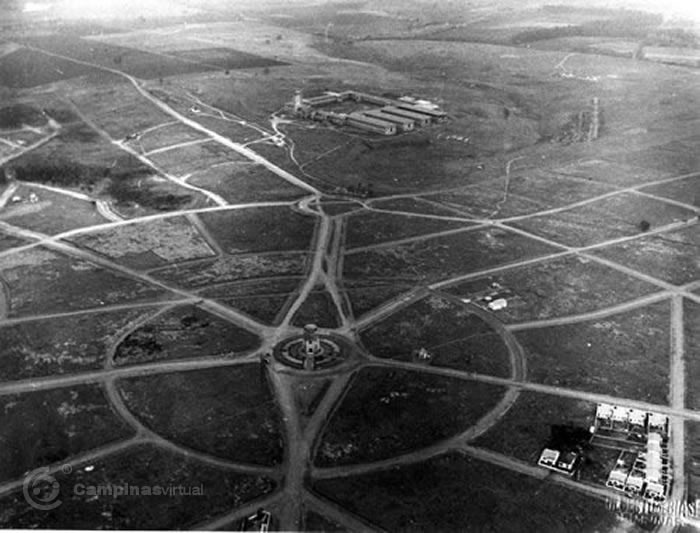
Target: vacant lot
186,159
612,173
28,68
449,331
260,229
152,244
185,332
366,294
618,216
672,256
319,309
228,413
624,355
60,345
40,281
261,299
136,467
560,287
168,134
444,257
668,158
414,205
368,228
40,428
457,493
241,182
225,58
692,341
53,213
685,190
525,429
237,268
390,412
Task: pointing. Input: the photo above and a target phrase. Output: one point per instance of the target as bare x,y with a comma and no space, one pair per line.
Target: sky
130,8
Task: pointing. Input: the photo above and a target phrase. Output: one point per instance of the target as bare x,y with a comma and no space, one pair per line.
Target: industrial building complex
389,117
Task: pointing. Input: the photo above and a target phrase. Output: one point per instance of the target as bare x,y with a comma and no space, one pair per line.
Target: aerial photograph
350,265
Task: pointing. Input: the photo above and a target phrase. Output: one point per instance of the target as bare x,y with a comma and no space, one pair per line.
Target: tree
644,226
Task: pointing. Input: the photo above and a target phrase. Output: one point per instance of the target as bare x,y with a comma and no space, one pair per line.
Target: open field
457,493
53,213
240,230
413,205
139,466
28,68
604,171
8,241
40,428
672,256
685,190
241,182
390,412
229,269
316,522
319,309
443,257
366,229
525,429
560,287
164,136
184,332
366,294
692,463
452,334
51,347
617,216
184,160
692,340
308,394
57,278
151,245
624,355
262,299
230,414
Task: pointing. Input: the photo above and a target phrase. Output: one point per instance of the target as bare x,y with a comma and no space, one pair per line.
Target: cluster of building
643,467
494,298
388,118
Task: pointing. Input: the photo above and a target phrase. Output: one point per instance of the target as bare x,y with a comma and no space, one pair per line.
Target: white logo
41,490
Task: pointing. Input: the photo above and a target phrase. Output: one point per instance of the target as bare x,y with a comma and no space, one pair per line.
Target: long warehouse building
421,120
371,124
404,124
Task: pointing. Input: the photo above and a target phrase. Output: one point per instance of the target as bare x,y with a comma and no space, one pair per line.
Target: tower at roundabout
313,350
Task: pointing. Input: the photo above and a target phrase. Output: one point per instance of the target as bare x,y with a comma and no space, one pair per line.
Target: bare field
57,279
168,134
617,216
227,413
186,159
154,244
612,173
61,345
370,228
671,256
228,269
556,288
692,341
686,191
623,355
454,492
59,424
443,257
525,429
138,466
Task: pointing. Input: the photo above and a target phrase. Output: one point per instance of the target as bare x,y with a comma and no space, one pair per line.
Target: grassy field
525,429
670,256
319,309
609,172
157,243
239,230
449,331
226,413
624,355
443,257
366,294
610,218
38,271
53,213
63,345
40,428
237,268
414,205
7,242
456,493
183,333
27,68
184,160
685,190
168,134
144,465
245,182
366,229
560,287
390,412
692,341
262,299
